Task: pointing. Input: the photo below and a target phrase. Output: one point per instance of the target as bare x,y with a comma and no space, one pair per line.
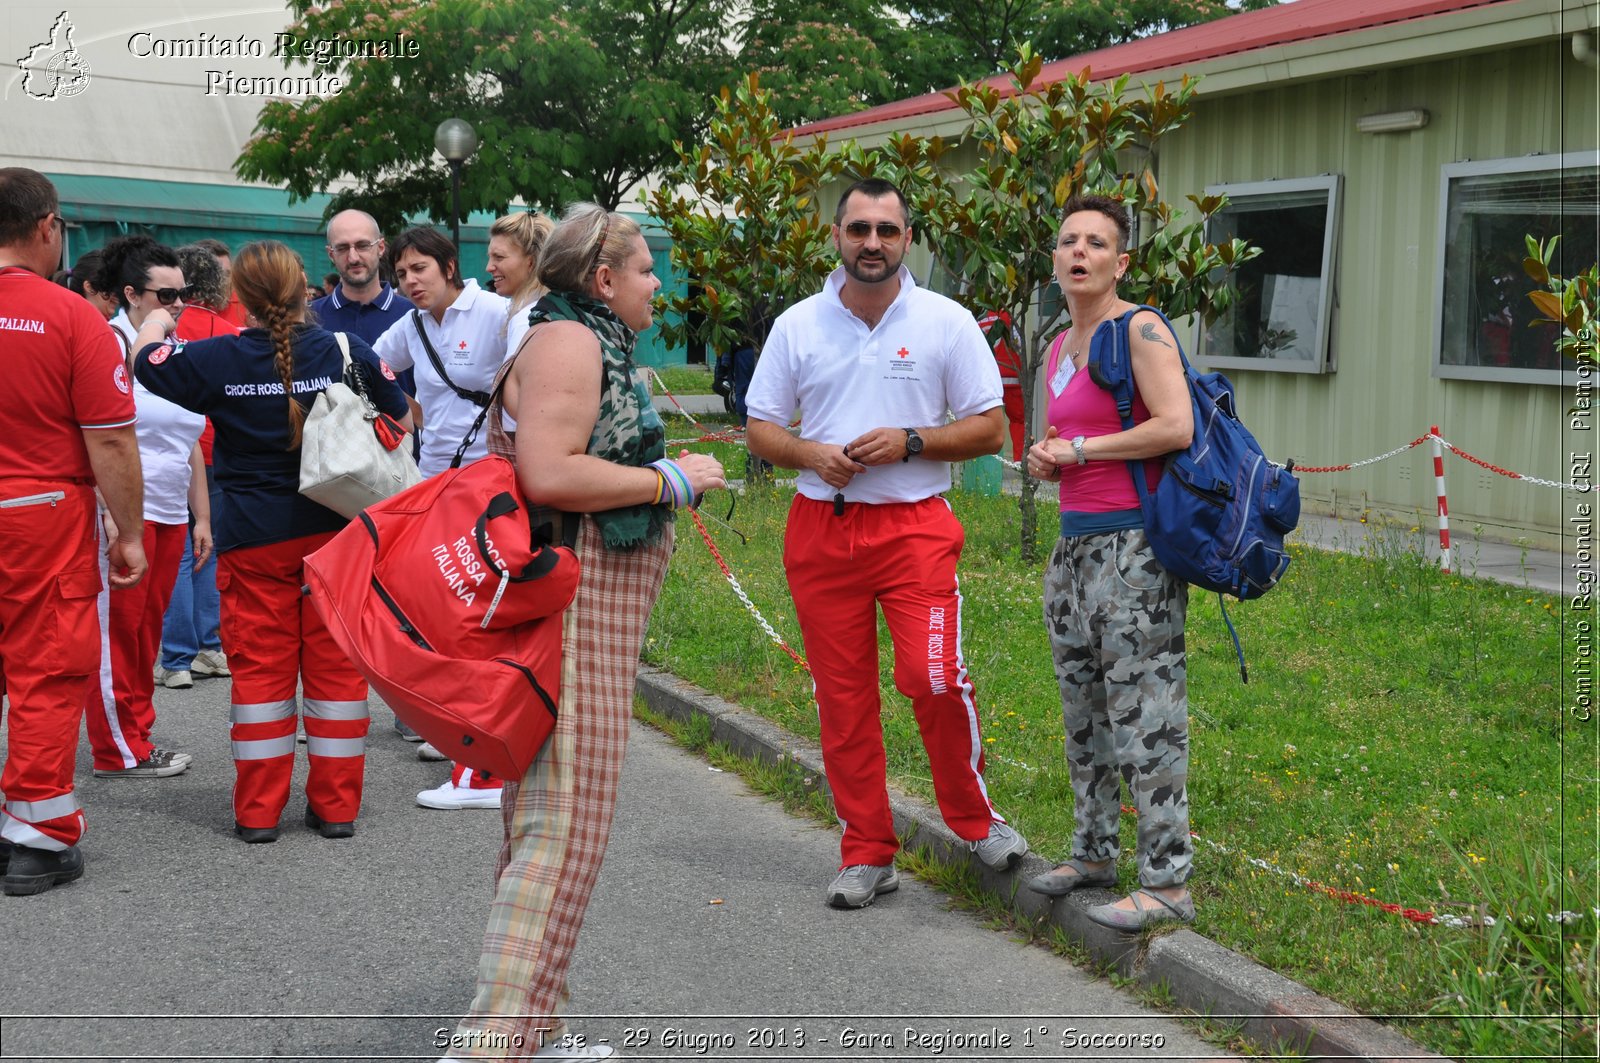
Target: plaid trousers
558,815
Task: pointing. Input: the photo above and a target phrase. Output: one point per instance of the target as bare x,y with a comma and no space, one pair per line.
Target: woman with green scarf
586,440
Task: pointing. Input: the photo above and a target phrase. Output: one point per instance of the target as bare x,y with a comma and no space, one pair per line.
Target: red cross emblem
461,346
902,353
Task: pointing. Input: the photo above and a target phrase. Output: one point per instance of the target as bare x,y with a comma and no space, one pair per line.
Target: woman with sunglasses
257,388
590,445
143,276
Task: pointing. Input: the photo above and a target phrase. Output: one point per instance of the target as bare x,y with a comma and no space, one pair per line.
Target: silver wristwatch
1077,448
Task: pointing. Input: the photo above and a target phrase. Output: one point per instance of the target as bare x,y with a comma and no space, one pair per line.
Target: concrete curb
1203,977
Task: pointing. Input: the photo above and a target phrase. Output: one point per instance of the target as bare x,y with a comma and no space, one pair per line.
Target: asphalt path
707,937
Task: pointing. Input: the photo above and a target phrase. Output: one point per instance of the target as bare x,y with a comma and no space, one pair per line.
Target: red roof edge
1248,31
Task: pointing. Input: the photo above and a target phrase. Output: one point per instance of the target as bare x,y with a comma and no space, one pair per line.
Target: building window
1483,318
1283,306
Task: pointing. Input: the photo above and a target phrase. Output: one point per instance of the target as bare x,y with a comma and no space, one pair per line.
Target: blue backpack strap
1112,370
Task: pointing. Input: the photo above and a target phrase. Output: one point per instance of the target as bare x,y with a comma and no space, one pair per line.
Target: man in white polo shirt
894,382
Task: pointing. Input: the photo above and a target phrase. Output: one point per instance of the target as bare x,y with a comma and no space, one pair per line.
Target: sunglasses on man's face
168,296
860,230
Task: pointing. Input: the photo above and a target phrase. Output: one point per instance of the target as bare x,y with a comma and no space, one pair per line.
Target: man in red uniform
68,425
996,326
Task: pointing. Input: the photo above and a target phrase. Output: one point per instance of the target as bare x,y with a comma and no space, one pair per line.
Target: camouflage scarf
628,430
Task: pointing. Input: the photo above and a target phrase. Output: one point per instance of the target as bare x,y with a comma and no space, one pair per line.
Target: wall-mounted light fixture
1393,121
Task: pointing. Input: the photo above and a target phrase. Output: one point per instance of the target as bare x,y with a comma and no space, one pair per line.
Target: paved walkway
707,928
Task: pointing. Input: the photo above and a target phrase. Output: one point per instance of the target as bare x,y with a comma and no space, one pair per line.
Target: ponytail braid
278,323
271,284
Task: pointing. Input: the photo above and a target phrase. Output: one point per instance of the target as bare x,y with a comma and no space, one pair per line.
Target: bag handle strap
477,424
353,376
477,398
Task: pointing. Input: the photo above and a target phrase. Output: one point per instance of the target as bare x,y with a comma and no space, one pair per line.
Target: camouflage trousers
1115,619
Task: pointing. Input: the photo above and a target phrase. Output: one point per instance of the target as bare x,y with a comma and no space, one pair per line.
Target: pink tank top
1083,408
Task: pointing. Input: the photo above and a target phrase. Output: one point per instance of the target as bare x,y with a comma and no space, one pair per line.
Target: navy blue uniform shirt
234,381
340,313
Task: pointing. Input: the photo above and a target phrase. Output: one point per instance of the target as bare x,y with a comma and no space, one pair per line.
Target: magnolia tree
742,212
993,226
1571,302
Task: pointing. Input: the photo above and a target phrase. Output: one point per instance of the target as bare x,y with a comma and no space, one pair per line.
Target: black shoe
330,830
255,835
33,870
5,855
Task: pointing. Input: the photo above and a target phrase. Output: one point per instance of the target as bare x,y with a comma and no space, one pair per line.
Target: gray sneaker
404,731
858,884
1003,849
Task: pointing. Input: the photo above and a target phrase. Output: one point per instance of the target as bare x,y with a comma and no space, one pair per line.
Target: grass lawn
1402,738
684,379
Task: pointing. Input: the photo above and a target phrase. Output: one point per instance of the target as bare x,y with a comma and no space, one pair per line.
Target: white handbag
343,463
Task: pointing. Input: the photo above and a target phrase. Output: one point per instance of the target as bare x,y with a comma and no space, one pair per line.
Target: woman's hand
200,542
704,472
1044,463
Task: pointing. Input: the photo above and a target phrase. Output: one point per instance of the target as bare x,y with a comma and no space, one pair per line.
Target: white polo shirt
926,359
471,345
167,434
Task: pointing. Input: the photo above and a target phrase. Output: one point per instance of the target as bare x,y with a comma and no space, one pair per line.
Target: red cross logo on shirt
902,353
461,346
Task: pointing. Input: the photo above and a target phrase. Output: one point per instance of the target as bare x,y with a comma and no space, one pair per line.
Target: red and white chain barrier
733,434
1425,918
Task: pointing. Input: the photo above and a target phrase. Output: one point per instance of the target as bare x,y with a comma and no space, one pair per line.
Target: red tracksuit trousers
274,638
120,708
901,557
49,577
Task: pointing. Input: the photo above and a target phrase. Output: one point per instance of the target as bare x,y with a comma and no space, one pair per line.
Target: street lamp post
456,140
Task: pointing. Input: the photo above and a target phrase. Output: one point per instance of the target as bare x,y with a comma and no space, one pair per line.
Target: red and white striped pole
1444,507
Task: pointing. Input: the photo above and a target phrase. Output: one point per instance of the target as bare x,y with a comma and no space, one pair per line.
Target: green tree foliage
570,101
958,40
742,212
993,227
819,58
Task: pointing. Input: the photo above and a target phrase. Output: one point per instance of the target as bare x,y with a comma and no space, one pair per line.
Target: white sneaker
178,680
429,751
450,796
210,663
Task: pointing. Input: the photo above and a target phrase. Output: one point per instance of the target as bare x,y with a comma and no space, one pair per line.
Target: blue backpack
1218,517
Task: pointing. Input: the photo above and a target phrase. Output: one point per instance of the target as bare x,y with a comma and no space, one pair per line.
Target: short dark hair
215,246
26,196
873,188
429,243
1111,208
84,269
126,262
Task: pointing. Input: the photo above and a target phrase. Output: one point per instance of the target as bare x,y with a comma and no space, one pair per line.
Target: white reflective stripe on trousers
317,746
264,712
336,710
264,748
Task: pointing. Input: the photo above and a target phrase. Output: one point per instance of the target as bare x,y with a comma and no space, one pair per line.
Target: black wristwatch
913,444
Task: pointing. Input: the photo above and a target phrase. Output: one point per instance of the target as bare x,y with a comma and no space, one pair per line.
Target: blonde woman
592,446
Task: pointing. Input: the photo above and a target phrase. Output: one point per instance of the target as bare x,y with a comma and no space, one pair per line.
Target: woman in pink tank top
1115,616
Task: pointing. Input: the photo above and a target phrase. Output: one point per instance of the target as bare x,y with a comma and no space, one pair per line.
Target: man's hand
127,563
881,446
834,464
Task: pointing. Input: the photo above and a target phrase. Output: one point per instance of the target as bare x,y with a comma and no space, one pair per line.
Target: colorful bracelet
674,482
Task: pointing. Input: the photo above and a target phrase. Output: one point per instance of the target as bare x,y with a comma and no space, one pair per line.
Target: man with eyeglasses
68,425
361,304
894,382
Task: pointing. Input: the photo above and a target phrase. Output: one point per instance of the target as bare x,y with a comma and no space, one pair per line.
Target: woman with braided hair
256,388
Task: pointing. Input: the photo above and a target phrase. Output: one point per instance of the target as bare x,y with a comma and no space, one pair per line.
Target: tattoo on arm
1149,333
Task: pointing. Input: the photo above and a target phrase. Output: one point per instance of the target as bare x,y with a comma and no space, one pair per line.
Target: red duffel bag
449,600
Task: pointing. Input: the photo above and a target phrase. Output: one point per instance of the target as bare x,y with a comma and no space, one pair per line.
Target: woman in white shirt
143,275
514,245
454,340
